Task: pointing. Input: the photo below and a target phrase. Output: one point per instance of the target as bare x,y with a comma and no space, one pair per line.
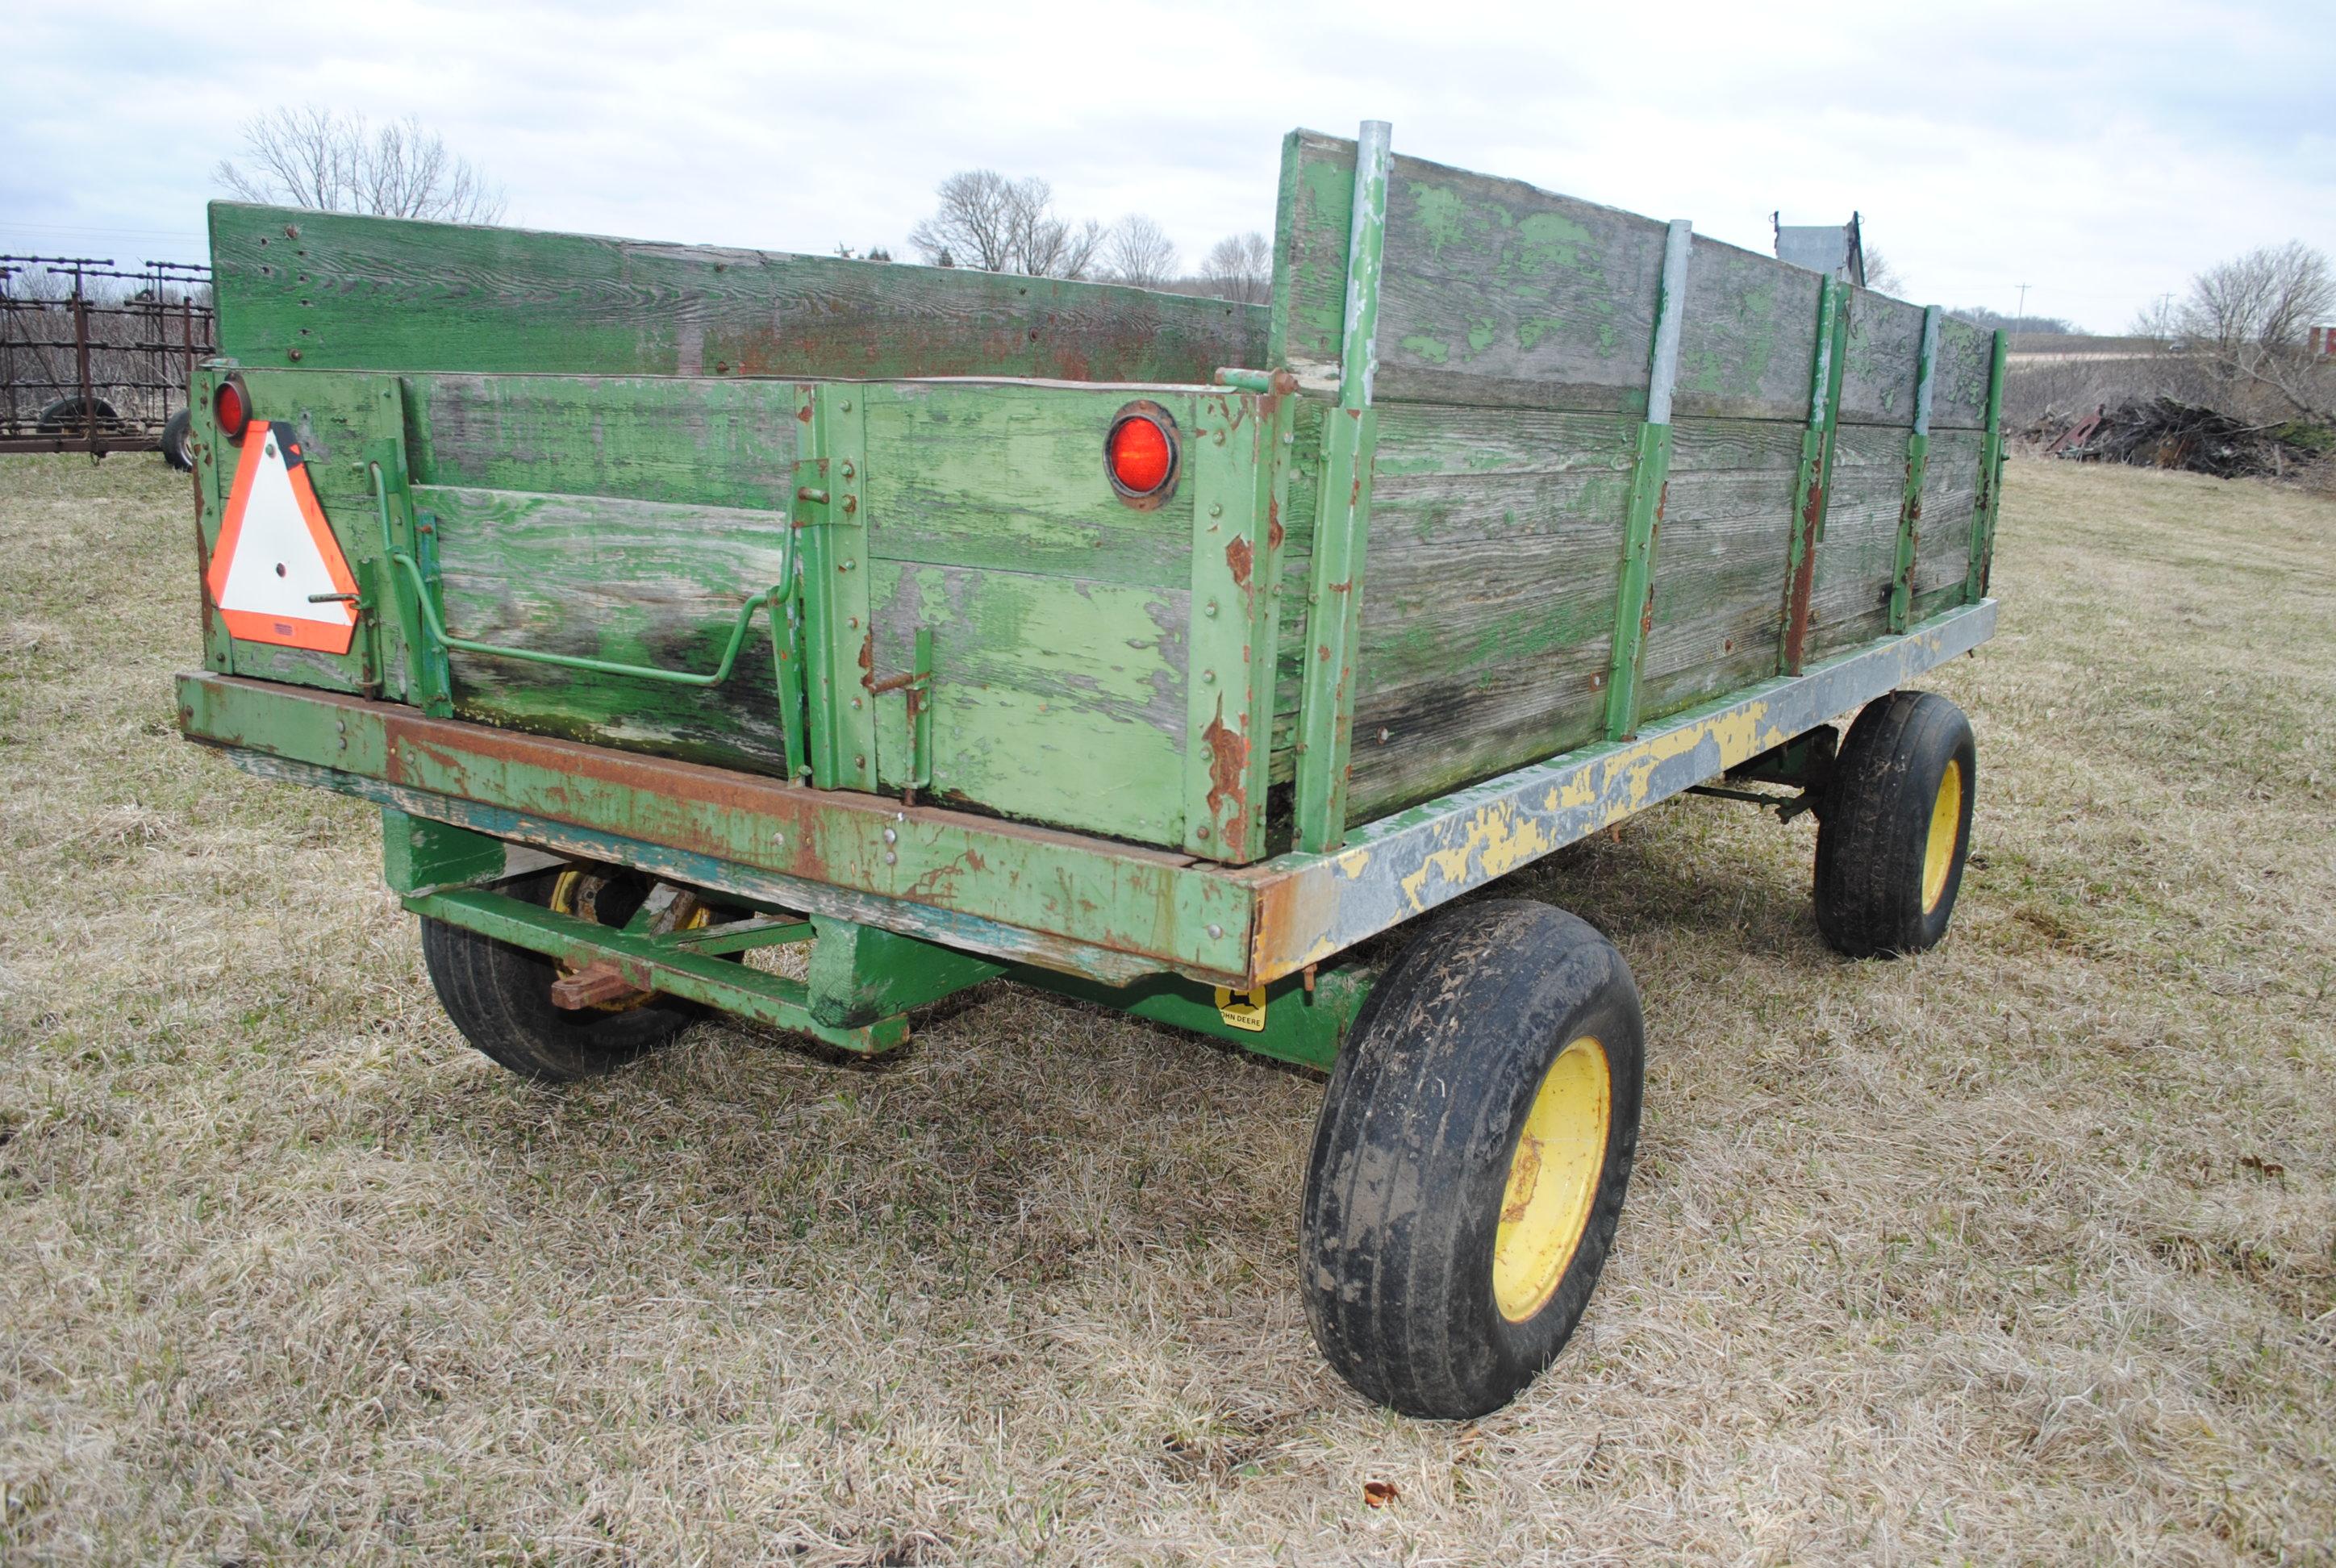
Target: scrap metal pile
2163,433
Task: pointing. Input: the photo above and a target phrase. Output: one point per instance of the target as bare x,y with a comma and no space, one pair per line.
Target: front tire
1472,1158
500,997
1895,830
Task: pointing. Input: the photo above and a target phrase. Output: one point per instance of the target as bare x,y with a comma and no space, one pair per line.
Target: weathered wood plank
1858,557
342,291
719,444
1959,397
1056,700
1718,611
1750,328
1881,362
1950,503
1012,476
634,582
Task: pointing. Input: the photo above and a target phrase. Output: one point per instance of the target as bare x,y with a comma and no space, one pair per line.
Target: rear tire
179,441
1472,1158
1896,829
500,997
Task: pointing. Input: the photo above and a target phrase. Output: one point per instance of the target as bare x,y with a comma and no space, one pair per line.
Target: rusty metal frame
1312,907
1063,901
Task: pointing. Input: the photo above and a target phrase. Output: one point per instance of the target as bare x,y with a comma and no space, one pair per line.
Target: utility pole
2021,313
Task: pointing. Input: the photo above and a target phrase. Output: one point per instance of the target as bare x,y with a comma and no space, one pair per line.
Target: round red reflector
233,414
1141,457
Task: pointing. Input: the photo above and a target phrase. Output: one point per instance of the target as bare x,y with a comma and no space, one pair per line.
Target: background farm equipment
96,359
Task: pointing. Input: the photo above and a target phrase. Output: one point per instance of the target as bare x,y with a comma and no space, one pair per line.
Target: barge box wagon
678,603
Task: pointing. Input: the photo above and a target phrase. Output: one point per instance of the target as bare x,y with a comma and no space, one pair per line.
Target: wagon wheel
1895,831
178,444
502,998
1472,1157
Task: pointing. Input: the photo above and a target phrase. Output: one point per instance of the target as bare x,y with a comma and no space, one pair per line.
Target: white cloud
2100,153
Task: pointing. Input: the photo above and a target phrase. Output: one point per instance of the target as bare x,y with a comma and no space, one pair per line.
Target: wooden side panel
341,291
634,582
1057,700
1488,602
1857,554
1718,576
1949,505
1958,391
1498,293
1880,362
1314,213
1745,344
633,438
1011,476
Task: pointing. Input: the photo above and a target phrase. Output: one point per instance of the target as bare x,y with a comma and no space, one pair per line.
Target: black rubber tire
1412,1155
499,998
179,441
1874,835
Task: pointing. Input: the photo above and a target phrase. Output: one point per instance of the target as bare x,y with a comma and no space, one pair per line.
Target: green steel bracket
1990,477
1918,461
1239,474
1634,606
915,689
859,974
1326,710
429,680
1814,485
655,964
838,636
1300,1021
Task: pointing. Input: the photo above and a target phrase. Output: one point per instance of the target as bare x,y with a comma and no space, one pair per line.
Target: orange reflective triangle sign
276,557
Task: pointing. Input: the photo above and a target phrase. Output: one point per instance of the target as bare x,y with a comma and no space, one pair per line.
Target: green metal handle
412,570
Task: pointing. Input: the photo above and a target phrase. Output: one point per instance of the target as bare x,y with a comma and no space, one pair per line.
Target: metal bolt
860,761
890,837
1216,932
847,566
293,353
1209,609
850,472
1200,833
855,702
852,503
847,406
856,623
891,858
1207,677
778,841
1216,509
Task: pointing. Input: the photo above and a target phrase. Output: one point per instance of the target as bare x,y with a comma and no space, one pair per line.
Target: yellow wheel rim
1552,1180
1946,822
576,893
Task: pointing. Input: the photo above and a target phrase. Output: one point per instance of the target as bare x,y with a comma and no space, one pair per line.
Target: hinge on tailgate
917,687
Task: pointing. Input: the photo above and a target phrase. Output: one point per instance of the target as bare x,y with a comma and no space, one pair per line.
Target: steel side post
1634,607
1326,711
1918,462
1990,477
1814,485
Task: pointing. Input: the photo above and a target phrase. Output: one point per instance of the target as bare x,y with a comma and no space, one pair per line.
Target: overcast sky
2099,153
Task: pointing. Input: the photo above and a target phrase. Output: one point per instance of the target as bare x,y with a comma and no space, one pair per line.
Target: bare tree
1140,253
1002,225
1879,275
317,159
2249,317
1240,267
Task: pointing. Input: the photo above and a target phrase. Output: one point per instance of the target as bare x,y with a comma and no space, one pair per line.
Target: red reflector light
227,405
1141,454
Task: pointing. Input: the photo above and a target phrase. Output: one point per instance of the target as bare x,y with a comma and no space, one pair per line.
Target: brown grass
2022,1250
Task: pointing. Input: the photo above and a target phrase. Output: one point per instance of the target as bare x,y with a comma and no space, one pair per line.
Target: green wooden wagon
678,604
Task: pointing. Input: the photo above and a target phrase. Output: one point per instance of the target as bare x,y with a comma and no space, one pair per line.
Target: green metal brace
1634,606
1918,462
1990,477
1813,487
1326,711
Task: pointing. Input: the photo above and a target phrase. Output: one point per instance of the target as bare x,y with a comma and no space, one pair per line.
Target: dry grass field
2024,1250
